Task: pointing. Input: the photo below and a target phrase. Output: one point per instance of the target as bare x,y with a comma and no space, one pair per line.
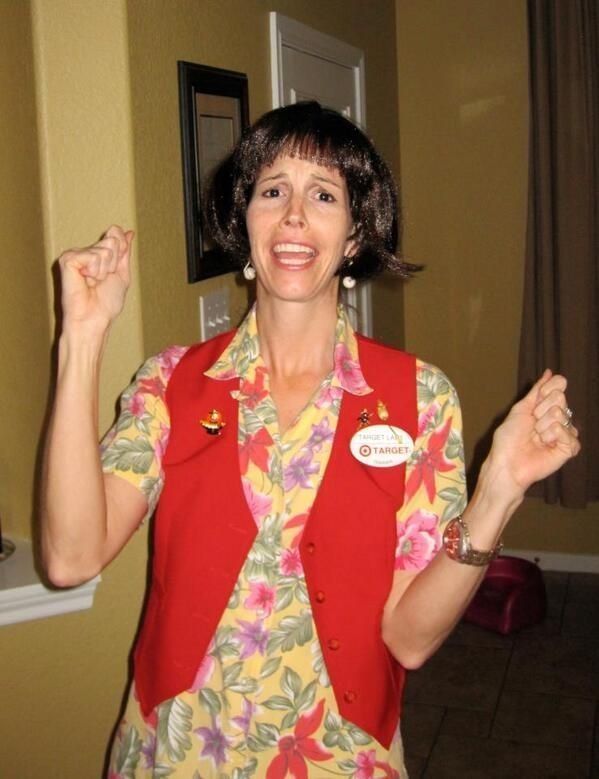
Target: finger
102,262
117,232
532,397
556,382
91,263
538,385
556,398
124,261
552,415
114,248
76,260
557,435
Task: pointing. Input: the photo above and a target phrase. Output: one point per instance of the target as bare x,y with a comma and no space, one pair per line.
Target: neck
296,338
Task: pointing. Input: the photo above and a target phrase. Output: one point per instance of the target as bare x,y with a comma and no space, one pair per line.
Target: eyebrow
282,175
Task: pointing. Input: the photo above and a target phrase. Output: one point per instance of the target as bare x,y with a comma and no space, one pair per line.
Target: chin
305,296
298,292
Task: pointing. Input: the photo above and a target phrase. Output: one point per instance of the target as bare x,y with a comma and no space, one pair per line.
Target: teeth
296,248
294,263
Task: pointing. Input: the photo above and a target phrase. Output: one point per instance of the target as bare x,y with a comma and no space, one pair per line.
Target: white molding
276,60
23,597
356,300
365,294
285,31
558,561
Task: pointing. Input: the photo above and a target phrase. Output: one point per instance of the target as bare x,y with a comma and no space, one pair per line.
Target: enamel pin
213,423
381,411
380,446
364,418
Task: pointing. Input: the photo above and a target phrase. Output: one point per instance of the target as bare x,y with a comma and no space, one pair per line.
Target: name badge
381,446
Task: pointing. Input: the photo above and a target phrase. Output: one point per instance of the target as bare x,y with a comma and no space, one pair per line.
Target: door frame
285,31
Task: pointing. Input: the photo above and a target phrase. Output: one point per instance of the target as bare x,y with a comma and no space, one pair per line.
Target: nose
294,213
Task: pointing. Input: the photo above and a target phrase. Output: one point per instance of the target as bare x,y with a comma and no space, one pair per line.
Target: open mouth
293,255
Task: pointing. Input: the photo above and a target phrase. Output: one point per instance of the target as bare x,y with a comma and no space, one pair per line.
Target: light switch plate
214,313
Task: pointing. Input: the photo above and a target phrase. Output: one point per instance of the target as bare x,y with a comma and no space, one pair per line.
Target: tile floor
512,707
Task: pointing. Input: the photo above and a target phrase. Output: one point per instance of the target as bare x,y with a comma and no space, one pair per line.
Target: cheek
252,224
258,218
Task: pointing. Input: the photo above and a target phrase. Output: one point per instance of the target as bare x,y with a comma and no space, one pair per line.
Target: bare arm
86,517
532,443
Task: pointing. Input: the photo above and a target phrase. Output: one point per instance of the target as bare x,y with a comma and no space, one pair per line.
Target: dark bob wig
325,137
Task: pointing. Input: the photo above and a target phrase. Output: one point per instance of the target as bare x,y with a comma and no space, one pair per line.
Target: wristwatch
457,544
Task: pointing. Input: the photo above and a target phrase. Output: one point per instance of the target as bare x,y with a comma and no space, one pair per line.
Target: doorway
309,65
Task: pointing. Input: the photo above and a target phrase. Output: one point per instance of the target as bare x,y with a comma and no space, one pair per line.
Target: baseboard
558,561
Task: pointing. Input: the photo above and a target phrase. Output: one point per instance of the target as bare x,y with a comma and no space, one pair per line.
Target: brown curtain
560,325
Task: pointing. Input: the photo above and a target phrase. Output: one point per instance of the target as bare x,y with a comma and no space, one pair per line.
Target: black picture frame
213,112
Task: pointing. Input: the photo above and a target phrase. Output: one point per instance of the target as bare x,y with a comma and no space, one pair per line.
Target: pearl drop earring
348,281
249,272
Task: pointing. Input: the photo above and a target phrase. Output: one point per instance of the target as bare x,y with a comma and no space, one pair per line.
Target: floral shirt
261,704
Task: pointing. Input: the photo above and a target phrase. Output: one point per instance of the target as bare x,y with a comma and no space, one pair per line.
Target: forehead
292,165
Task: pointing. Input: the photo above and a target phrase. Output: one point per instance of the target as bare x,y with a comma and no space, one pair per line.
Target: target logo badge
381,446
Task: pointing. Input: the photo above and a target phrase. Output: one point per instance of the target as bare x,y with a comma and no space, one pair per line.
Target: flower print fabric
133,448
261,704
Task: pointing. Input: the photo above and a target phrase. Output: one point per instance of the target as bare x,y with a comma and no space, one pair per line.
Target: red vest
204,531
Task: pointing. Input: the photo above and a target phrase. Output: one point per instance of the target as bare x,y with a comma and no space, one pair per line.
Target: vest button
311,547
333,644
349,696
319,597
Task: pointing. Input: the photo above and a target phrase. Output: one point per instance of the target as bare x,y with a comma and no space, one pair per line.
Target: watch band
458,546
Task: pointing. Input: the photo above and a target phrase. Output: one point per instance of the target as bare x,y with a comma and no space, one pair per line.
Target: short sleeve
134,446
435,489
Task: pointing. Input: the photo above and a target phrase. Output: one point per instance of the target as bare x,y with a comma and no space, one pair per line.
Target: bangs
314,134
309,146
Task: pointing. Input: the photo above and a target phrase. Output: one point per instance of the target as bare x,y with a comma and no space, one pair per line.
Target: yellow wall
62,676
24,326
464,164
105,88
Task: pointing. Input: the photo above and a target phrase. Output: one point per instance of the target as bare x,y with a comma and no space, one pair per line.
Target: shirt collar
243,354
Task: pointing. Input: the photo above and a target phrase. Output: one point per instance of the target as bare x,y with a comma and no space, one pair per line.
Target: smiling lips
293,255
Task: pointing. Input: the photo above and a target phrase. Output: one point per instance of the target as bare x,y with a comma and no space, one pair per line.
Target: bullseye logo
365,450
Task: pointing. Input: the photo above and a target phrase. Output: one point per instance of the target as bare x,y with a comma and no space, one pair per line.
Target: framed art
214,110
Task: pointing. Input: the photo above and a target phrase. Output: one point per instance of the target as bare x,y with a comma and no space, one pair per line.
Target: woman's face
299,223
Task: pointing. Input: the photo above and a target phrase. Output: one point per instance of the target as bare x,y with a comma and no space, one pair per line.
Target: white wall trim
558,561
24,597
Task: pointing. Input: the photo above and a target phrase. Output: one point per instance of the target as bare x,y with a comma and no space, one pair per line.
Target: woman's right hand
95,281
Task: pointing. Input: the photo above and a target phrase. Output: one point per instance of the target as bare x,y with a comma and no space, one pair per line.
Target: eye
325,197
271,192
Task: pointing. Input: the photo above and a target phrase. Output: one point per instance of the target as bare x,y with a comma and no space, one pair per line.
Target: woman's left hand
536,438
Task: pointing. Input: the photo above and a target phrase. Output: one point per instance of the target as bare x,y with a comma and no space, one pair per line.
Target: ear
352,244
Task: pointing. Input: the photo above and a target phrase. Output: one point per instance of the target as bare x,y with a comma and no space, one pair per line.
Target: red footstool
510,597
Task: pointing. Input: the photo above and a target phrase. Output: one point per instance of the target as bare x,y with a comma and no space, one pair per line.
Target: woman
294,578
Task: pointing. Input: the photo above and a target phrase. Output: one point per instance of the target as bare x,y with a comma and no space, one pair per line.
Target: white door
309,65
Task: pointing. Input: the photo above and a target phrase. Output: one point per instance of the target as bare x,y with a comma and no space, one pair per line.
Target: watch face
452,536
